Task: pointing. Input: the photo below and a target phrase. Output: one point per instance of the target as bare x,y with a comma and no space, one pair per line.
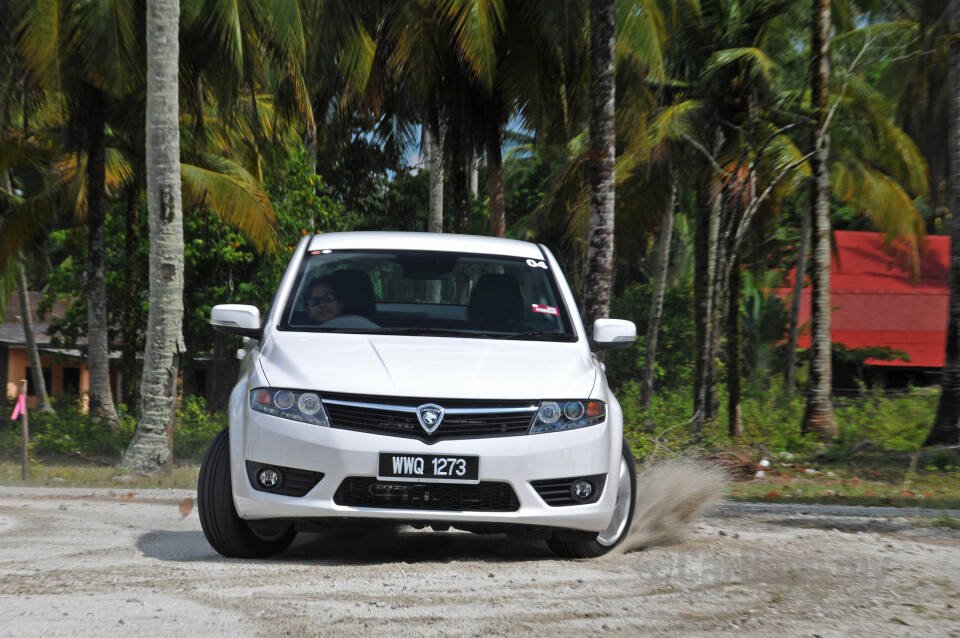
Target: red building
876,302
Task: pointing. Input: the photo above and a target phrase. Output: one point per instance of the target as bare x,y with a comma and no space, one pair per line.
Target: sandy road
77,562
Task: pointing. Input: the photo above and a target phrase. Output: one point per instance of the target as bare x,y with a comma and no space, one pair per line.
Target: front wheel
225,530
619,525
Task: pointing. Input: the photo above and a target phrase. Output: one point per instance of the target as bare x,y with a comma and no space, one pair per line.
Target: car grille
361,491
293,481
556,492
398,417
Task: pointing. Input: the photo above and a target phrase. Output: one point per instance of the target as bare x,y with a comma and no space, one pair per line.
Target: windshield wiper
538,335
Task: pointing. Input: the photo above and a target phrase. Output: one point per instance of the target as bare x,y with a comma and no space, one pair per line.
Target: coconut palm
150,449
945,428
87,52
210,175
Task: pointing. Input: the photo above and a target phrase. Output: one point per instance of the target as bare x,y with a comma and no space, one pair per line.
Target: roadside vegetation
876,460
726,153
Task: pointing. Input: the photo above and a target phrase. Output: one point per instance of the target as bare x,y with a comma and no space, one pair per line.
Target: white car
421,378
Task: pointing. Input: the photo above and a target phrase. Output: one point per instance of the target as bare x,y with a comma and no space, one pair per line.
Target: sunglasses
327,298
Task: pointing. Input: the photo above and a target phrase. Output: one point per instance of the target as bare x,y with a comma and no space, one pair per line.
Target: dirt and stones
77,562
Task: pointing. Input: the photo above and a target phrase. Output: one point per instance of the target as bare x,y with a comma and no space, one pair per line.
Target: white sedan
431,379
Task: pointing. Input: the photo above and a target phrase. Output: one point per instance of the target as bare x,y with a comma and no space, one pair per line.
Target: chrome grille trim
413,410
464,419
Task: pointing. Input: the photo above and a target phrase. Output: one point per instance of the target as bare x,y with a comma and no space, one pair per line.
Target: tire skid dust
671,495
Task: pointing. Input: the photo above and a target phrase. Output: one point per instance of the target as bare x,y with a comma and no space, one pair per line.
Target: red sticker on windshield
547,310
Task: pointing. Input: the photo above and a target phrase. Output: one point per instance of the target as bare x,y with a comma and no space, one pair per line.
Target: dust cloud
670,496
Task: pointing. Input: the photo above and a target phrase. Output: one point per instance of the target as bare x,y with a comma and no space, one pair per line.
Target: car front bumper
339,454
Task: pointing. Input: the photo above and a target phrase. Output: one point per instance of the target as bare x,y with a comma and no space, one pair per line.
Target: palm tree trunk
734,420
150,449
717,278
475,177
599,272
132,313
705,266
945,429
434,161
39,385
790,361
656,302
26,314
98,346
495,180
818,417
461,190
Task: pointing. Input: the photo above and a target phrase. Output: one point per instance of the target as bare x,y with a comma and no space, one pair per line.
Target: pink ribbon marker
20,407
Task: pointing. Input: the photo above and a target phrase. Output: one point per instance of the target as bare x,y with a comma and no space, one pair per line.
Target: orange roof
877,303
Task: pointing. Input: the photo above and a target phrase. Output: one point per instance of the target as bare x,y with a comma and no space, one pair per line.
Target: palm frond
642,34
670,124
26,219
236,197
357,61
41,37
755,61
881,199
476,24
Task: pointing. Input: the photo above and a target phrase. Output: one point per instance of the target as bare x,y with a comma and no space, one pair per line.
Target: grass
877,480
70,451
863,480
80,473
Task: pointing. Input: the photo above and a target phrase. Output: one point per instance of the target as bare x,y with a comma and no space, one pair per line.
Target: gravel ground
121,563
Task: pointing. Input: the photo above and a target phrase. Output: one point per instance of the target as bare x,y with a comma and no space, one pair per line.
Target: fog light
581,490
268,478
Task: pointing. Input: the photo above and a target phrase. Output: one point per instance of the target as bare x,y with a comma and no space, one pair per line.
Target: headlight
295,405
554,416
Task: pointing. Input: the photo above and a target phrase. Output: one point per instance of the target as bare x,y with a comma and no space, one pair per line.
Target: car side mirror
237,319
613,334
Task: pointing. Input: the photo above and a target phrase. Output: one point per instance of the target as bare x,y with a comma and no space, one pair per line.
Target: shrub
898,423
892,423
674,367
195,428
71,432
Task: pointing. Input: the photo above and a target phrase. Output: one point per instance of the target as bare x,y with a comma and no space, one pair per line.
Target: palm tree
818,417
946,427
9,95
600,235
150,448
86,70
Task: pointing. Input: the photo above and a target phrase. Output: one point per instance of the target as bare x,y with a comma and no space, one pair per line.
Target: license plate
433,468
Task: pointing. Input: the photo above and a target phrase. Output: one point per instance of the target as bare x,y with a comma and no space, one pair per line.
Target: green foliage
70,432
896,423
771,419
942,460
371,181
674,364
764,318
195,428
222,266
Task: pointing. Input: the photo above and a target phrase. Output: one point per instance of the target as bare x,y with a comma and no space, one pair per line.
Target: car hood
427,367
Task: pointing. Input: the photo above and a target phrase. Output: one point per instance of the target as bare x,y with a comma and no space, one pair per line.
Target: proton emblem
430,416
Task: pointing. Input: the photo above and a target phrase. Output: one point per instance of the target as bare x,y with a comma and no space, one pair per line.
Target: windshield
441,294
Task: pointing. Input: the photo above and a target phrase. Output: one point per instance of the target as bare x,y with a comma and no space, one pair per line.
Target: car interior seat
495,302
356,290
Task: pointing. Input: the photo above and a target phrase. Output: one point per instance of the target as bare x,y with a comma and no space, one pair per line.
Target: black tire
225,530
613,536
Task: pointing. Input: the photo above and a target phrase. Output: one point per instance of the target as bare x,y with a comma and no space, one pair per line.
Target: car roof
378,240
